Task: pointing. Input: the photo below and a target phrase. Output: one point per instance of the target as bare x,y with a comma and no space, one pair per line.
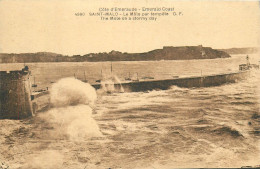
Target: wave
70,91
71,114
227,131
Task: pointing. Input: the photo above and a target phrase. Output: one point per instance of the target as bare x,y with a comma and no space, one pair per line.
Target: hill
233,51
32,57
167,53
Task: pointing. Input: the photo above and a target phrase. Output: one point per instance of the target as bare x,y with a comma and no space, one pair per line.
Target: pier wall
189,82
15,95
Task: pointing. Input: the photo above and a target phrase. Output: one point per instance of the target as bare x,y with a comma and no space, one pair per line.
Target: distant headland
234,51
166,53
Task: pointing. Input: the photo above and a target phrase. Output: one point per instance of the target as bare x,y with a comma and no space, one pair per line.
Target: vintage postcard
135,84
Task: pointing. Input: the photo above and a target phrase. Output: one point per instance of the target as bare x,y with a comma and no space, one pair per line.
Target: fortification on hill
15,94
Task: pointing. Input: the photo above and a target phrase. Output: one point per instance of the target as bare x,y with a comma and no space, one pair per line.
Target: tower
15,94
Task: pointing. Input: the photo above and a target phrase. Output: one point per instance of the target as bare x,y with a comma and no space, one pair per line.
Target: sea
78,127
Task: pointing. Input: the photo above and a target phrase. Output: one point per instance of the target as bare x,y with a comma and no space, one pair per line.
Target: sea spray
118,81
108,84
71,113
74,122
70,91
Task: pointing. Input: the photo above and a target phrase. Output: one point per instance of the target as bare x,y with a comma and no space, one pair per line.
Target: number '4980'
80,14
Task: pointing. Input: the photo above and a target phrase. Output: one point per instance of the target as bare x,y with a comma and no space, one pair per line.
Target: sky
51,26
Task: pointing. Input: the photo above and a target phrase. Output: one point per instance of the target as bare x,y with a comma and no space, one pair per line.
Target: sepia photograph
137,84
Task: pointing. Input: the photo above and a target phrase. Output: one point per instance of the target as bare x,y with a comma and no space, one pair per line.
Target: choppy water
179,127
